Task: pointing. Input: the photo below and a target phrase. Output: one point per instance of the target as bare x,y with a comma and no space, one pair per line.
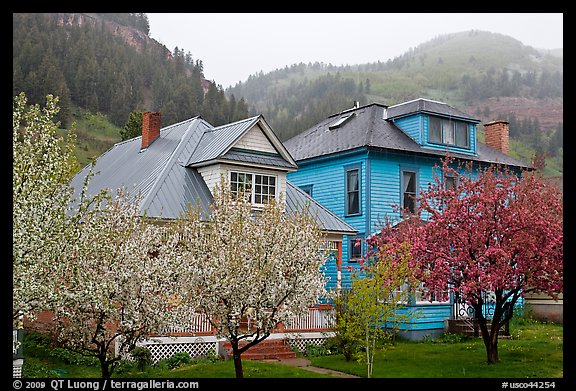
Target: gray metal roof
297,199
160,174
262,159
216,144
429,107
370,128
156,174
217,140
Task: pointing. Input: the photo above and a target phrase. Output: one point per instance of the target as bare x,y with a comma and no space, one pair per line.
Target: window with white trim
257,188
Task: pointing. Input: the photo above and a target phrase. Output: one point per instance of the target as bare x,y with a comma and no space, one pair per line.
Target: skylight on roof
340,121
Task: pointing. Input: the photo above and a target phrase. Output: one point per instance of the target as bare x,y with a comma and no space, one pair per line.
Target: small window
307,189
435,130
409,191
448,132
355,248
462,134
257,188
353,191
450,182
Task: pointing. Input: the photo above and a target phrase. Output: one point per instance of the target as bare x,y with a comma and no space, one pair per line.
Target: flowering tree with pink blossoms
494,233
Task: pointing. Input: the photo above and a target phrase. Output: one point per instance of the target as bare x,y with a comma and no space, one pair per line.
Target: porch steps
269,349
464,326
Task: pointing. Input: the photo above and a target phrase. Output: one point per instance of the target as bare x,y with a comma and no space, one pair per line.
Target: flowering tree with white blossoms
41,230
118,281
251,269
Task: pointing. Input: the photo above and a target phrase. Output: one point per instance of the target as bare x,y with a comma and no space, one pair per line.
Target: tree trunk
104,367
237,360
490,337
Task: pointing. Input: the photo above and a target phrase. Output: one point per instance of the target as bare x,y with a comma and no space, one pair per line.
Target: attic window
340,121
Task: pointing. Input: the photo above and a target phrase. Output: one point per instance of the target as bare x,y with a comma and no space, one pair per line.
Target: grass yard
534,351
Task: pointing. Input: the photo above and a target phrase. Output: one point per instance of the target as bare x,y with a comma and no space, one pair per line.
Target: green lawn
534,351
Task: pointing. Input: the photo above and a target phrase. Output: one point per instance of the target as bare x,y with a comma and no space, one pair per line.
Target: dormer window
448,132
257,188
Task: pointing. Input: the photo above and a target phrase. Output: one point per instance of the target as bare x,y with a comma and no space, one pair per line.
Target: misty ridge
105,66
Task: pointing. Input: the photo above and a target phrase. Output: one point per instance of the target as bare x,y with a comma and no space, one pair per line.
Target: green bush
342,343
212,356
123,367
142,356
179,359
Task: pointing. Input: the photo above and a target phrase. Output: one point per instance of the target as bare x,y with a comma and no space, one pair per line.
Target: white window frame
253,184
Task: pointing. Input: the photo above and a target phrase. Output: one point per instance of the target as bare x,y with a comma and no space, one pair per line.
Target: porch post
339,265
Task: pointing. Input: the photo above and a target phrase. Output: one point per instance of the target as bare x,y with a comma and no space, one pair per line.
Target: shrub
344,344
178,359
142,356
124,367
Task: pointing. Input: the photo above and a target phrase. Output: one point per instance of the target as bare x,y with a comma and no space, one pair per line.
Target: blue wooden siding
425,316
385,183
328,177
329,269
416,126
471,150
380,196
412,126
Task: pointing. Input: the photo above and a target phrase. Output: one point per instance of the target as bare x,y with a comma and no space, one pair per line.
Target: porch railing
320,318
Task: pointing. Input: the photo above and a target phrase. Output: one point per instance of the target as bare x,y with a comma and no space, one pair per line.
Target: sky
233,46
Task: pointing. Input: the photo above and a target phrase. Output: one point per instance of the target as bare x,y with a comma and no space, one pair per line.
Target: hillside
489,75
106,65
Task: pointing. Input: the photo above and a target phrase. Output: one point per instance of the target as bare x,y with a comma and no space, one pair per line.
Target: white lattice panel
162,351
17,368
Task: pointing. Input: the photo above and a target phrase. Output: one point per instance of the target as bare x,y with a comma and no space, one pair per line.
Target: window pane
409,191
449,182
410,202
352,192
353,203
265,188
462,134
355,248
435,130
352,180
448,132
410,182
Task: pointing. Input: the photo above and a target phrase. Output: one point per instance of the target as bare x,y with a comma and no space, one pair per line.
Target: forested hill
107,63
489,75
105,66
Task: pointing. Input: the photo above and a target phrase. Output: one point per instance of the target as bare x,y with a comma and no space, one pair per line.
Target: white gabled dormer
249,155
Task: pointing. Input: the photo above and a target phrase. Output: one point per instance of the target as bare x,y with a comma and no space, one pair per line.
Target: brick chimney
150,128
496,135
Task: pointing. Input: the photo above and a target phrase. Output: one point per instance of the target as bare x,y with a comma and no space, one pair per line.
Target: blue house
366,161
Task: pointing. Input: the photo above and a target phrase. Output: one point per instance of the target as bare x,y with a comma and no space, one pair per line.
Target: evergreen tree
133,126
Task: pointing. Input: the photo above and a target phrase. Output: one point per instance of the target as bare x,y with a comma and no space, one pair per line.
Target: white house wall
211,175
255,140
